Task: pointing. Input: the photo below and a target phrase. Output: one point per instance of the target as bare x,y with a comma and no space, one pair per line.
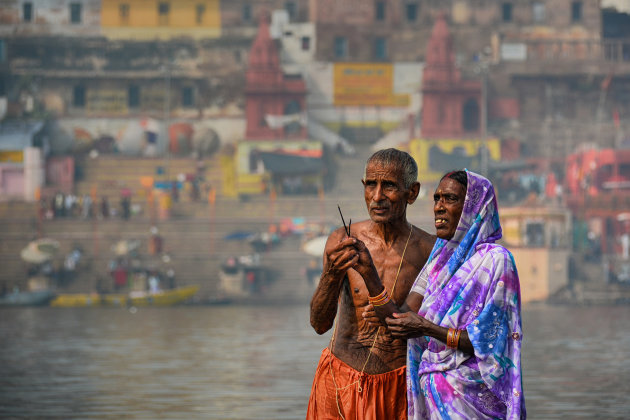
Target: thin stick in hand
343,221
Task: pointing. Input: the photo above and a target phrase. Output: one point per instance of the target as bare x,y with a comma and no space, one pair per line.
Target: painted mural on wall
146,136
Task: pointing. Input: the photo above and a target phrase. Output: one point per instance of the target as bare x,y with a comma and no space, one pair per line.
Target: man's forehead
377,170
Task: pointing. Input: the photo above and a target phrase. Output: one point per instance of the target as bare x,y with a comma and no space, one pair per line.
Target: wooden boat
135,298
27,298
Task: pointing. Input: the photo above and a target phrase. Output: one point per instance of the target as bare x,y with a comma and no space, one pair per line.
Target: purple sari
473,285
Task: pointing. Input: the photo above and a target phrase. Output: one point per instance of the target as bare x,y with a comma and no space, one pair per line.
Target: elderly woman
462,317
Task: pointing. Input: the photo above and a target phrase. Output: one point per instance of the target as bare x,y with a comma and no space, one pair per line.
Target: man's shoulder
423,239
422,235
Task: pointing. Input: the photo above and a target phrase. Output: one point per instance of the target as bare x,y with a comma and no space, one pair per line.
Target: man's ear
414,190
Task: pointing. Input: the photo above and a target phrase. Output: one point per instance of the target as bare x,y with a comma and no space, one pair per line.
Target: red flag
606,82
616,118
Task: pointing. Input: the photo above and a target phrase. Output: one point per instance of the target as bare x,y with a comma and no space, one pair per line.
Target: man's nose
378,193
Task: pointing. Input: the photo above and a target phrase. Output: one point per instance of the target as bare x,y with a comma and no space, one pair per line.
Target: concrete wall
50,17
321,98
542,272
129,133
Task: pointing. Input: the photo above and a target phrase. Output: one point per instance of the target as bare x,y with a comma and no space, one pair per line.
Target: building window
123,12
133,96
380,48
471,116
379,11
78,96
291,9
306,43
27,12
506,12
292,108
341,47
201,10
538,12
576,11
3,51
412,12
247,12
75,12
188,97
163,11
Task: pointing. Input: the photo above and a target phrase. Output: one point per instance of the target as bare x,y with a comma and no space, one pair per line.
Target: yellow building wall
420,149
144,22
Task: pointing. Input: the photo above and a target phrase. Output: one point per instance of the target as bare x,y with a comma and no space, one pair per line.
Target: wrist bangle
456,343
449,337
382,302
380,299
452,338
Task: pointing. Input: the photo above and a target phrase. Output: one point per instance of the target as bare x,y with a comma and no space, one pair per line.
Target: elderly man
361,374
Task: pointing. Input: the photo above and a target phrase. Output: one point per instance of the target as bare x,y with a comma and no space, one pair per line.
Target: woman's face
448,204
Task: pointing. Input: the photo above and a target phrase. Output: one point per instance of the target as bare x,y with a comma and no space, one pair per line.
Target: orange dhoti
341,392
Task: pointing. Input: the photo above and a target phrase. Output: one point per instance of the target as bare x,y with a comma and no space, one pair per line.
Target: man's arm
410,324
411,304
338,258
365,267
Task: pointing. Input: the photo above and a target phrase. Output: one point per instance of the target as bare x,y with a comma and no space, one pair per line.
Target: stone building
556,70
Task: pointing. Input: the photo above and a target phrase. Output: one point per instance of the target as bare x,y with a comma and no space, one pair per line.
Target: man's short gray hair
398,159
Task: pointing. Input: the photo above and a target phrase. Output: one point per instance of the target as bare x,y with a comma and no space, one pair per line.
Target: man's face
448,204
385,194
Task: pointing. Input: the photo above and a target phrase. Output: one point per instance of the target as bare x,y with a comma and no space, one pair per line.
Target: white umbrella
315,246
125,247
40,250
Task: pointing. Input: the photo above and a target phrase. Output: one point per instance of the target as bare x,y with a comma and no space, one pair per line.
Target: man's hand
364,264
369,315
340,258
407,325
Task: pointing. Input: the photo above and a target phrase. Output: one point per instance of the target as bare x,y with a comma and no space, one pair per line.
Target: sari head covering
472,284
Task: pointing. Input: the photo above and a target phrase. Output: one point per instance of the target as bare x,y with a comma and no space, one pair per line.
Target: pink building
275,101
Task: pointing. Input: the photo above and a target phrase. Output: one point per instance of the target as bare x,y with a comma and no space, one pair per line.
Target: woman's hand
407,325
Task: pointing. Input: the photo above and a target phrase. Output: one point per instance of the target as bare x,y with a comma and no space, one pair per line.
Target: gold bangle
383,302
381,296
456,341
449,337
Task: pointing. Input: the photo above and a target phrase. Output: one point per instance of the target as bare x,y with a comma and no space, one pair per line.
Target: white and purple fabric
472,284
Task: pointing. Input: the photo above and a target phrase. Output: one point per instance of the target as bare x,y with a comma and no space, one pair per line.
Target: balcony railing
570,50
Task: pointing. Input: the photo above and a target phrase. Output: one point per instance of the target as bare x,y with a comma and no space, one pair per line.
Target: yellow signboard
12,156
436,157
152,99
366,84
110,101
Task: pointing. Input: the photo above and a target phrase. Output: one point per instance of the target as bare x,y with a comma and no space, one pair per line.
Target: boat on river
167,297
27,298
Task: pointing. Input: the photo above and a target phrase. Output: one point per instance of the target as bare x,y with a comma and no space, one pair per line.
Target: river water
257,362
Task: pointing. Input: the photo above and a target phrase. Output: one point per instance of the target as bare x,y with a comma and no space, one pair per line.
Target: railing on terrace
617,50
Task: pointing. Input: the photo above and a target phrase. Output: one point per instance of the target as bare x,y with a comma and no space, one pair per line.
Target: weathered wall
144,19
542,272
50,17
